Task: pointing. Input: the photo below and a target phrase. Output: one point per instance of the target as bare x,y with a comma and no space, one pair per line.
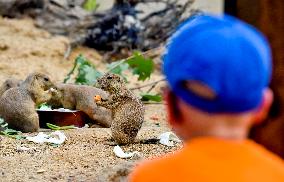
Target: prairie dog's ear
8,84
36,76
119,79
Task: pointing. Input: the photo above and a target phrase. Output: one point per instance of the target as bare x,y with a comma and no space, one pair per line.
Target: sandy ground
211,6
86,153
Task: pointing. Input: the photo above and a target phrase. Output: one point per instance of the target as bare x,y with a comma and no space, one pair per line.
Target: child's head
218,68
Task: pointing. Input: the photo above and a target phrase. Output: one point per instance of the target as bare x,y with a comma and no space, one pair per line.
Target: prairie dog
17,105
127,110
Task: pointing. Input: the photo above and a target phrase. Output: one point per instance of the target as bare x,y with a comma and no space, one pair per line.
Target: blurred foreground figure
218,70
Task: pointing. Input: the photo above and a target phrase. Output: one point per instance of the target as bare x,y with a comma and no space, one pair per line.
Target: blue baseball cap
228,56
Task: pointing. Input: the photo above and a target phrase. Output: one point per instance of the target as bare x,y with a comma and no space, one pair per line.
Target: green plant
55,127
90,5
151,97
137,64
141,66
118,67
4,130
87,73
44,106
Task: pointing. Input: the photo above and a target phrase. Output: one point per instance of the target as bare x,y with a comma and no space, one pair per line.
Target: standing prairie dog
17,105
127,110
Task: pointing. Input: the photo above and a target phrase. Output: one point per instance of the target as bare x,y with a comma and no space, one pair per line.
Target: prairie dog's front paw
97,98
53,90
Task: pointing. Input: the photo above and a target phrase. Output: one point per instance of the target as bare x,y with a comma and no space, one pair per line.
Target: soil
87,151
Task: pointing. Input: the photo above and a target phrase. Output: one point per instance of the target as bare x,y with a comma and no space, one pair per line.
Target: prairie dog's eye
46,79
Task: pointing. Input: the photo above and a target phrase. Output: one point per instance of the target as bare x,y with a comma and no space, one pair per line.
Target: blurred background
212,6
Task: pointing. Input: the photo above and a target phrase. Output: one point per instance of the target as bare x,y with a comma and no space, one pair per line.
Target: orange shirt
214,160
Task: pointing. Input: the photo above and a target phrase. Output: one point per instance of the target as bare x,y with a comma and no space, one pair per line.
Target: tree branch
149,84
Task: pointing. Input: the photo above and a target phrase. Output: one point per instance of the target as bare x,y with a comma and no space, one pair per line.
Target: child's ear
263,110
171,107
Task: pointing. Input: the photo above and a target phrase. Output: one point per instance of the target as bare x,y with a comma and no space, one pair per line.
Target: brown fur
17,105
81,97
127,109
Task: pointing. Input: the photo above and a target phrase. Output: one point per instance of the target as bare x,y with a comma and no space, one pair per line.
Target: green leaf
55,127
4,125
118,68
87,75
10,132
90,5
81,60
44,106
151,97
52,126
4,130
141,66
78,61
